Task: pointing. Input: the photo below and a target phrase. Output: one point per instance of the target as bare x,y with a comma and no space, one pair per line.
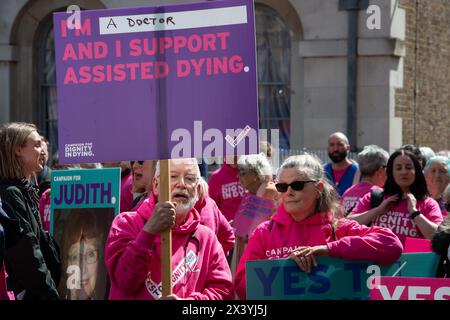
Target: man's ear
155,185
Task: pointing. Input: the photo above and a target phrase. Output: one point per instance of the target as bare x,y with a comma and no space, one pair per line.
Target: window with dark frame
273,42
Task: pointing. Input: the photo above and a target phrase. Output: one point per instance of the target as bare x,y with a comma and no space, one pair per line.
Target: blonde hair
13,136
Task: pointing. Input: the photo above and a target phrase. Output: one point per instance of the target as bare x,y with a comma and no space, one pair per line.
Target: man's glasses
187,179
141,162
296,185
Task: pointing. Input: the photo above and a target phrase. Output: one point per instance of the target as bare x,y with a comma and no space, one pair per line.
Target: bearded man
133,248
341,172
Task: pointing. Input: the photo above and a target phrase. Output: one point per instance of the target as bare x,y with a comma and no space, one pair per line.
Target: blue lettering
322,280
267,281
356,269
105,193
290,279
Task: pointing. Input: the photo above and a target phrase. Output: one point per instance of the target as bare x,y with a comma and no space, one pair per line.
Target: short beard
337,157
184,208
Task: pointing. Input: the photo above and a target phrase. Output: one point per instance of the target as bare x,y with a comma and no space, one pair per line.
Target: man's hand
162,218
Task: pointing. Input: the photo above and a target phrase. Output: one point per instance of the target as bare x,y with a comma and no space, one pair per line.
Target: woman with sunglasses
406,208
308,223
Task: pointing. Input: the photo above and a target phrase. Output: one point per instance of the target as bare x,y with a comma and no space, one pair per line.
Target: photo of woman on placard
83,233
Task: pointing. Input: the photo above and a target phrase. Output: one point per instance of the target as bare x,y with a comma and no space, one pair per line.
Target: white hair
257,163
188,160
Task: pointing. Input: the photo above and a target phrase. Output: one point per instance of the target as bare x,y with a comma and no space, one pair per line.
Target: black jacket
32,256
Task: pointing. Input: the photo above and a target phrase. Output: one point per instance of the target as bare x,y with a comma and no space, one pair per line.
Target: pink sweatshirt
352,195
126,196
397,218
133,259
211,217
277,239
225,190
44,209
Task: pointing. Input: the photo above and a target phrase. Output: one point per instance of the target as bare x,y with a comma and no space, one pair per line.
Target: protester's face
248,179
84,254
142,175
184,179
337,149
437,178
298,203
30,154
44,155
403,172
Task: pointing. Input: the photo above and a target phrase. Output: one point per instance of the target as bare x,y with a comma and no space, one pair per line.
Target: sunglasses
296,185
141,162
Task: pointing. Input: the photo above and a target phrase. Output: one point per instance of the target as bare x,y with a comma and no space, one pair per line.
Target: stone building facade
306,43
424,101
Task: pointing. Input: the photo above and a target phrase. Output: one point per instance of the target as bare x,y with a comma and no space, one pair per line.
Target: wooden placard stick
166,236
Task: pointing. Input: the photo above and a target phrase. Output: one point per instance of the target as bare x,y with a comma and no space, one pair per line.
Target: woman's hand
412,202
305,257
389,202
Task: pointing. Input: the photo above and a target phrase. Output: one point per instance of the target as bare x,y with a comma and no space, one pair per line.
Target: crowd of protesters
362,209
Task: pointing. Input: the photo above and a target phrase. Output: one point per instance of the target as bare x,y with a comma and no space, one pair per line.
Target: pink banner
417,245
405,288
252,211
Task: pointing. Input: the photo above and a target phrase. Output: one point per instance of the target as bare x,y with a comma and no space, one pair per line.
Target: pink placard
406,288
417,245
252,211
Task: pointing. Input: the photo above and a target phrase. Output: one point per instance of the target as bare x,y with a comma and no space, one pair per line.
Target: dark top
32,257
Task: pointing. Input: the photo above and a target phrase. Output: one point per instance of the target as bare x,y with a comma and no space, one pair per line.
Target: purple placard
252,211
158,82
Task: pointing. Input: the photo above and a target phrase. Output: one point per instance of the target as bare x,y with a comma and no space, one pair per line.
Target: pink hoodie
126,196
133,259
277,239
211,217
225,190
44,209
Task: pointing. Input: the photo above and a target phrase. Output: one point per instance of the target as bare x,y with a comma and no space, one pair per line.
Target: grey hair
438,159
312,167
203,189
445,153
371,158
193,160
257,163
427,152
